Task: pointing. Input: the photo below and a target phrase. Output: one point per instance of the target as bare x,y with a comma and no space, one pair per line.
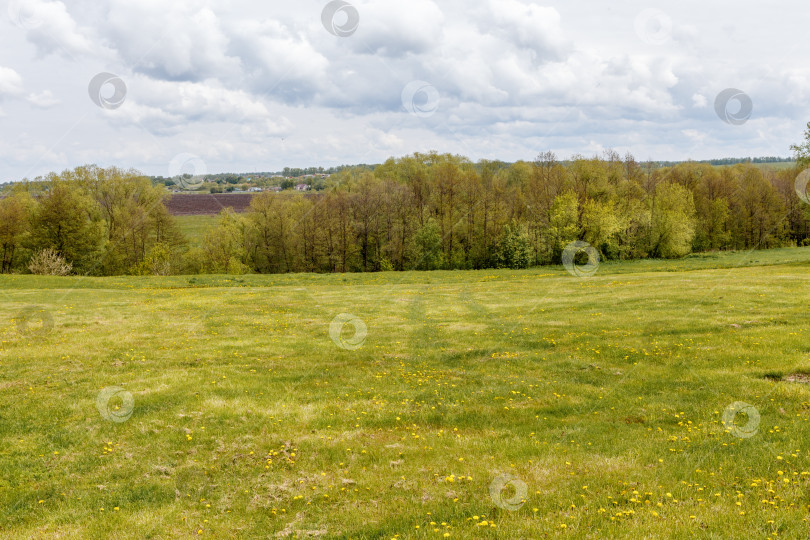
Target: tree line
422,212
98,221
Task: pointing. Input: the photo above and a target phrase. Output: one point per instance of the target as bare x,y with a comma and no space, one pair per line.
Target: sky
243,86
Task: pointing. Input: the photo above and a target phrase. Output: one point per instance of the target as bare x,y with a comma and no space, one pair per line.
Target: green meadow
655,399
194,227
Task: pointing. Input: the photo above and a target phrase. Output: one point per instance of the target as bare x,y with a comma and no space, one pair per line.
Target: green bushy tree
673,221
426,248
69,221
513,249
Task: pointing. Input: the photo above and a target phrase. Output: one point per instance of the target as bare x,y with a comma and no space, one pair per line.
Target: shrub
426,250
158,262
236,267
193,261
48,262
512,249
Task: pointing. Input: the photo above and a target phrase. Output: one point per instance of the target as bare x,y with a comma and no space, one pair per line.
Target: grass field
194,227
491,404
779,165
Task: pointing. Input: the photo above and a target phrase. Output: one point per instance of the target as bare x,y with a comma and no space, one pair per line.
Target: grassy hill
491,404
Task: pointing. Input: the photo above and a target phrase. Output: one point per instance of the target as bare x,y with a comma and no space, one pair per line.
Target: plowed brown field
201,204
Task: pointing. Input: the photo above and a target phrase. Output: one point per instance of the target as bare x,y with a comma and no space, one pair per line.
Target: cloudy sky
248,85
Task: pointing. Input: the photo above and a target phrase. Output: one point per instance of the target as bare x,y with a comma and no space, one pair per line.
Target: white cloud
532,28
43,100
11,84
280,62
249,84
164,107
52,30
396,29
179,40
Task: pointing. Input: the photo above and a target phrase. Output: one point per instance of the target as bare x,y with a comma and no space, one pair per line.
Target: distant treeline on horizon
295,172
422,212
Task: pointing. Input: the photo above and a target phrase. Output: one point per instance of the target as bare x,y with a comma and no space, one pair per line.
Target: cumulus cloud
167,107
396,29
280,62
175,41
532,28
51,28
246,80
11,83
43,100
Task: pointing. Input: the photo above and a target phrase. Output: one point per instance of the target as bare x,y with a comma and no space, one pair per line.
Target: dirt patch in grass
797,377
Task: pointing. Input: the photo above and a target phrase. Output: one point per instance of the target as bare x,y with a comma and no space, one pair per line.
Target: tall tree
673,221
15,228
70,222
224,245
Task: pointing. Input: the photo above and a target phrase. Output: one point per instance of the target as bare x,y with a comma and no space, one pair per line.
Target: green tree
512,249
426,249
600,225
274,242
137,219
224,245
713,225
673,221
15,228
70,222
758,211
563,225
366,200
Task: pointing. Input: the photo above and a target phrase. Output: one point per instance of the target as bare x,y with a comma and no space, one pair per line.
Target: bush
48,262
237,267
158,262
426,250
512,250
193,261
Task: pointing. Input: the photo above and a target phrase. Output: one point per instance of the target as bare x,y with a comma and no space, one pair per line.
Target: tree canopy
423,211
